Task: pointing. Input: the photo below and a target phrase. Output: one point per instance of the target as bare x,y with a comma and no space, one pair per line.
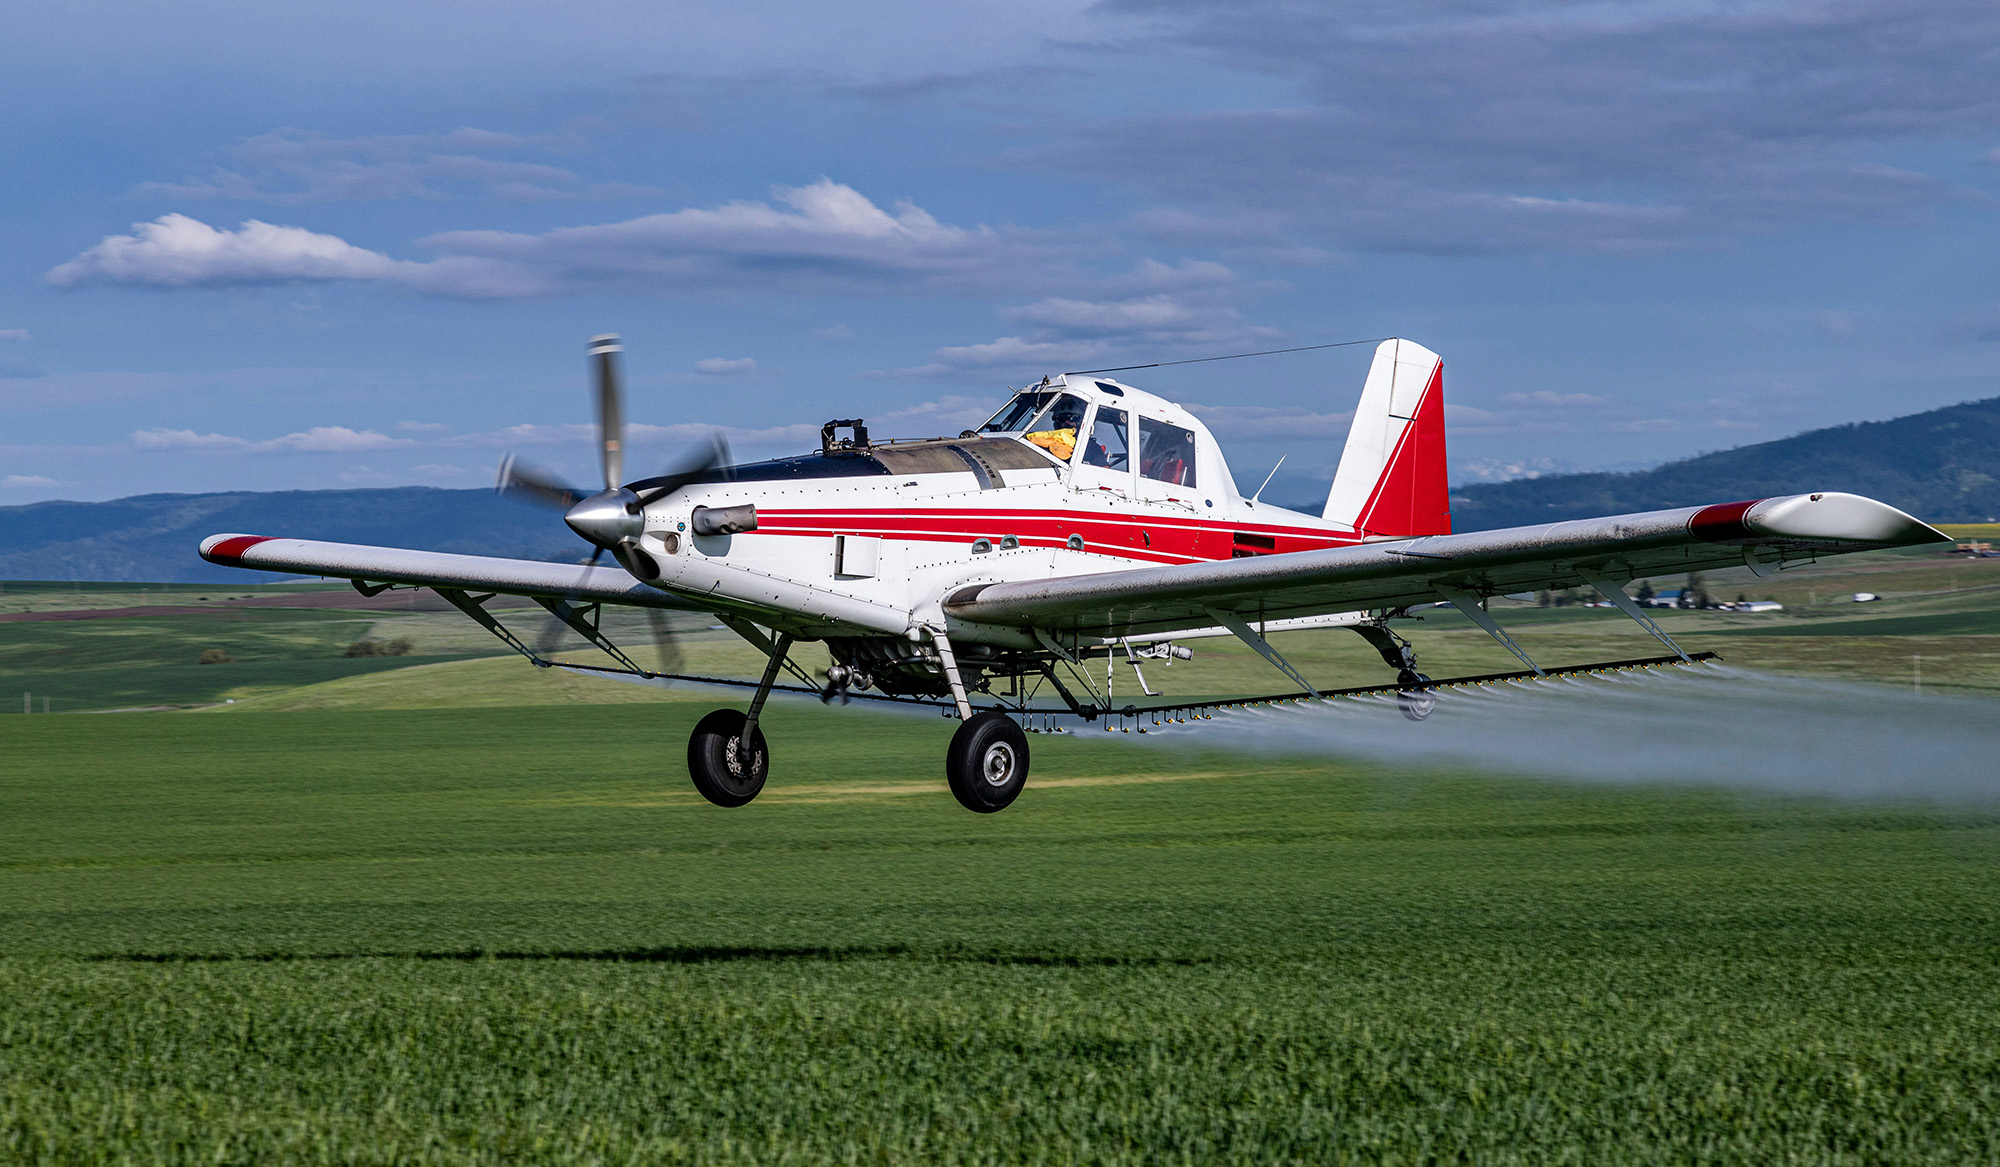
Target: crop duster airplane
1088,519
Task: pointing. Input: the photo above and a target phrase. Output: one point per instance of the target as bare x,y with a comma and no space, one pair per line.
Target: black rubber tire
720,779
1416,704
988,747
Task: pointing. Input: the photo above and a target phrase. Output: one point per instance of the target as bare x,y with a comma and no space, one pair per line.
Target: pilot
1059,426
1169,457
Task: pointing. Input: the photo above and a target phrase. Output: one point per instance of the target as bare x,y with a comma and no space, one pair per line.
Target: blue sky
252,246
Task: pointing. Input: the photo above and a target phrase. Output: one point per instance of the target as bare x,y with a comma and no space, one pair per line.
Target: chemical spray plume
1708,726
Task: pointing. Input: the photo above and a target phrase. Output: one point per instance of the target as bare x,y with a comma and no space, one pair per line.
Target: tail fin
1391,479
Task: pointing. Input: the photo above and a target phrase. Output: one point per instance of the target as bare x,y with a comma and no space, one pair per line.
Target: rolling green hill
154,537
1942,466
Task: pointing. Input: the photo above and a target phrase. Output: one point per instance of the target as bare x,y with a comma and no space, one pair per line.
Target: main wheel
987,763
1417,704
724,772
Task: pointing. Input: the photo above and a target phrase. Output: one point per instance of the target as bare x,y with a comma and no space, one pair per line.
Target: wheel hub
998,764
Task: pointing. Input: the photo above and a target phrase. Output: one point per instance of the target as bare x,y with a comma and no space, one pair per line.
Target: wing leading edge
1761,534
437,569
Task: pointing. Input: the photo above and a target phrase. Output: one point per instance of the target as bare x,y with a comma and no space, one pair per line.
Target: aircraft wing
1763,534
436,569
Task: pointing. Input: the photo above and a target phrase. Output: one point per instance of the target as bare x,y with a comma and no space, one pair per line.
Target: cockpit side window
1055,430
1166,452
1107,446
1013,416
1065,413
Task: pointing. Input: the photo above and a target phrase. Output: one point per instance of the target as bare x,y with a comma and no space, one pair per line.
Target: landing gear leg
727,757
1413,696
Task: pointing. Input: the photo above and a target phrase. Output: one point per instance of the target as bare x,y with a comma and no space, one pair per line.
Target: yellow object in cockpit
1061,443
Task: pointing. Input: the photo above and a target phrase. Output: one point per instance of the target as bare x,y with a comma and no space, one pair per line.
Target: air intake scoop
724,520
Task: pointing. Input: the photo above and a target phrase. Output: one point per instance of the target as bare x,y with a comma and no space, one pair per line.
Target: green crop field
451,909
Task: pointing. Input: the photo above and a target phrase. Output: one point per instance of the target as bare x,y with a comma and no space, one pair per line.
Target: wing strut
475,607
1251,637
1616,594
1468,603
585,622
764,644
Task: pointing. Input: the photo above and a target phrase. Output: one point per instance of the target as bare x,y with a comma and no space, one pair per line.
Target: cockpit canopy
1055,420
1032,410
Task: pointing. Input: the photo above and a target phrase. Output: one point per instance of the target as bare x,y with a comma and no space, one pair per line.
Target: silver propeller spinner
613,518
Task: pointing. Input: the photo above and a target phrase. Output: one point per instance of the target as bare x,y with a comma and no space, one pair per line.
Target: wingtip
227,550
1834,515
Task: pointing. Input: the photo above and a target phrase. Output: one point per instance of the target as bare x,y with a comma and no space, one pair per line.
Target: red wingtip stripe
1722,522
229,552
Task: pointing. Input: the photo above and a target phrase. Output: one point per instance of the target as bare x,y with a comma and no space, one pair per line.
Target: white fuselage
875,551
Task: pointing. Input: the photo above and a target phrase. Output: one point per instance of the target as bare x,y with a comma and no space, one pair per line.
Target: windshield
1013,416
1055,428
1064,413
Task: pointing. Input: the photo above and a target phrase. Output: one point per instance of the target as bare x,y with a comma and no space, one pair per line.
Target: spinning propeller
613,518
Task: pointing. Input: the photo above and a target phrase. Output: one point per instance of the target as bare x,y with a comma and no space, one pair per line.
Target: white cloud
526,434
444,471
1252,423
421,427
946,415
332,439
1149,316
1529,126
171,439
1156,311
1008,352
1062,333
176,251
1835,324
726,366
14,334
23,480
823,238
327,439
1979,324
1469,415
295,166
1549,398
1509,469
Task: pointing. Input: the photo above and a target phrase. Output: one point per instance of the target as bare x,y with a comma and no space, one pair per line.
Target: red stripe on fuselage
1161,539
229,552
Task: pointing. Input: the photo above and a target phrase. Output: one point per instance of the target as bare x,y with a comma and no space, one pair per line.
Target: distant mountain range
153,537
1943,466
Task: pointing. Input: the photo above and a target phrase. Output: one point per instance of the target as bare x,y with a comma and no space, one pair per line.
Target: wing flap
437,569
1393,574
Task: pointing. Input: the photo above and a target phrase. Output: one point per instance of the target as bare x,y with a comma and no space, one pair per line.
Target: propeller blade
671,659
687,466
665,640
530,483
552,627
604,352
